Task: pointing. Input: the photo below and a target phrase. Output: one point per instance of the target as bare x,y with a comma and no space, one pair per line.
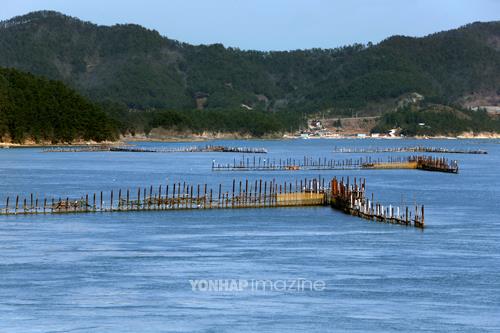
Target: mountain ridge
140,69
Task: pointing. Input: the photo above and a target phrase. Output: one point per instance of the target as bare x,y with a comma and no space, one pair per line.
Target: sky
273,24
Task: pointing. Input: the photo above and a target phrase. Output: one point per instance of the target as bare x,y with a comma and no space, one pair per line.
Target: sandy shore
231,136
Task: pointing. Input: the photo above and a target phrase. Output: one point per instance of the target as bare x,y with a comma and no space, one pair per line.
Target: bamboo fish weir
417,149
427,163
131,149
344,195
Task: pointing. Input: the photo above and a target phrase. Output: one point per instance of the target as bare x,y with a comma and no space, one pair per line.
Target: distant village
356,127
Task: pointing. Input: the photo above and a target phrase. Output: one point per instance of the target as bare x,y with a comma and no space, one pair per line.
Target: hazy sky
273,24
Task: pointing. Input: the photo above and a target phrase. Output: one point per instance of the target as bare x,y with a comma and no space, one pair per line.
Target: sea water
134,271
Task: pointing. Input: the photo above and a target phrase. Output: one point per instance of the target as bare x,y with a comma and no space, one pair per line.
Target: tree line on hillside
244,122
33,108
132,79
140,69
41,110
435,120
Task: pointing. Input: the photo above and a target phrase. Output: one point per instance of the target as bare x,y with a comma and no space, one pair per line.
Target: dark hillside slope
139,68
41,110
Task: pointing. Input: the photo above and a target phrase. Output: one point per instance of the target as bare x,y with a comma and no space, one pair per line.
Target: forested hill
141,69
44,111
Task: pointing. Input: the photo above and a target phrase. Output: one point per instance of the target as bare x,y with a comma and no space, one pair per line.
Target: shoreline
73,144
189,139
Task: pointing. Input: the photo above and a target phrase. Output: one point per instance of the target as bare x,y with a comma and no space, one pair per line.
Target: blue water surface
131,272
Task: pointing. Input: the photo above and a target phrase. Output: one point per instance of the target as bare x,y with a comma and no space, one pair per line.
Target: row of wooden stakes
260,193
349,198
427,163
417,149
